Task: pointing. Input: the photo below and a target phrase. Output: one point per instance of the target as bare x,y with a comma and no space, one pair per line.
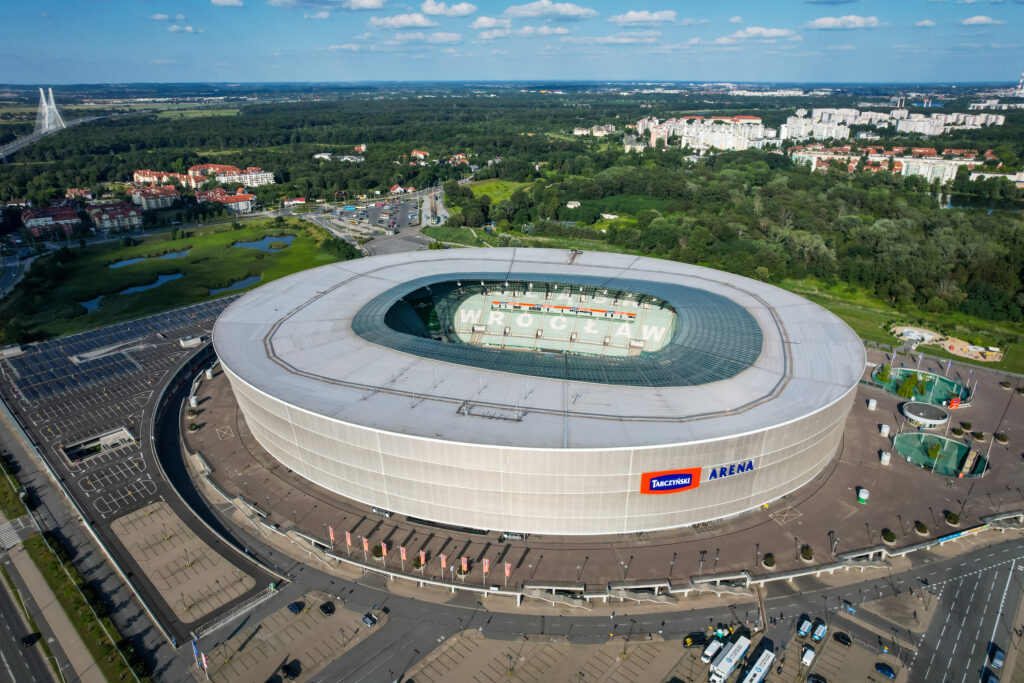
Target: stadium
541,391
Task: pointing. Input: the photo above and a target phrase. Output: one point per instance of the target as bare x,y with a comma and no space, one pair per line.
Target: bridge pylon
48,119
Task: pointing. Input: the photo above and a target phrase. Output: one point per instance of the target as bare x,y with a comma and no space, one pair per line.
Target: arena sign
740,468
670,481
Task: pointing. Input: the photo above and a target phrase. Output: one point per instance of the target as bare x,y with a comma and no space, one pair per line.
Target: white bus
761,667
728,659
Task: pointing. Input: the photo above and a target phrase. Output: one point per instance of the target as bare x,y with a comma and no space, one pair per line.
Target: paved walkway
82,663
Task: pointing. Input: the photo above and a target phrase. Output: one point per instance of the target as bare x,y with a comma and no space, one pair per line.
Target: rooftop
318,340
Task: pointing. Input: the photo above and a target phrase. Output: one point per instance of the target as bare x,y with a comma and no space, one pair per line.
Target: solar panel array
46,369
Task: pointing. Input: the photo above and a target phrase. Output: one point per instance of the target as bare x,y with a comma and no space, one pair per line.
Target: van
807,656
819,631
710,651
997,658
382,512
805,628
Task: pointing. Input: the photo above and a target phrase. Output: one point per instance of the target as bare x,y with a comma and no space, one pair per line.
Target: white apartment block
247,178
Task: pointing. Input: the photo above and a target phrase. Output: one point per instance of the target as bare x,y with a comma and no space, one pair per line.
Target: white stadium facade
541,391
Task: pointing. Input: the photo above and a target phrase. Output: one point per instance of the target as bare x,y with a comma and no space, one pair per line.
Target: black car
327,608
295,607
695,639
842,638
816,678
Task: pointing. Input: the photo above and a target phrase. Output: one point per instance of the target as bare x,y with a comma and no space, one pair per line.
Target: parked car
816,678
807,655
804,628
885,670
842,638
996,657
295,607
711,651
820,630
327,608
369,620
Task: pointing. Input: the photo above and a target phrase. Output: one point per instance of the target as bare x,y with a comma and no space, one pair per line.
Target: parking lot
86,401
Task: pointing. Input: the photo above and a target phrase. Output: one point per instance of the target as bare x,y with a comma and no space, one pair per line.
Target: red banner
465,565
348,538
366,545
384,548
423,558
401,551
487,565
508,569
444,562
331,529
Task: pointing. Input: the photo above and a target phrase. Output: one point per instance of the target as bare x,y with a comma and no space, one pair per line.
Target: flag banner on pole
487,565
384,548
444,562
920,355
348,538
949,364
331,529
401,551
366,545
465,565
508,569
206,667
423,558
195,652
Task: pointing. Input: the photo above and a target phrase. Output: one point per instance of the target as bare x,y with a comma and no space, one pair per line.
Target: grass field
211,263
195,113
496,189
458,235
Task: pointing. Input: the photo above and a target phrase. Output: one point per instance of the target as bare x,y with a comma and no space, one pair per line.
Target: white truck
728,659
761,667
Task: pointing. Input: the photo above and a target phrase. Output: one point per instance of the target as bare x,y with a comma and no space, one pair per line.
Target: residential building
148,177
297,201
156,197
253,176
115,216
1017,179
240,202
420,154
44,220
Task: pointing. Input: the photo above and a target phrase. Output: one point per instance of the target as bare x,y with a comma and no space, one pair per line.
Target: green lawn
496,189
211,263
457,235
195,113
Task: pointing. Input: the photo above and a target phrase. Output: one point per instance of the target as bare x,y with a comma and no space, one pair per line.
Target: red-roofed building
158,197
924,152
40,221
296,201
116,216
420,154
240,202
76,193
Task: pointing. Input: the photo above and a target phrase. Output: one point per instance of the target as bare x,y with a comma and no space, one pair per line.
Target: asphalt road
17,662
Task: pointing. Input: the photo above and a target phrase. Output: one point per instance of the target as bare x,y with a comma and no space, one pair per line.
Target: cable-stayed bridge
48,121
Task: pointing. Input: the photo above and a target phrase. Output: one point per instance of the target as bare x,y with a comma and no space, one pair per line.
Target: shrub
883,374
966,425
888,536
957,431
806,552
1004,384
933,450
416,564
192,426
769,560
1002,437
952,517
192,412
980,436
376,551
920,527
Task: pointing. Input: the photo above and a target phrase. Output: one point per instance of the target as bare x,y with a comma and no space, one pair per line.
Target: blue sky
110,41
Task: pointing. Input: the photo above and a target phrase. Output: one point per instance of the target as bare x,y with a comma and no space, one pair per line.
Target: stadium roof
294,339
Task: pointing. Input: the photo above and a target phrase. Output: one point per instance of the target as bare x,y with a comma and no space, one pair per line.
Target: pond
264,244
238,284
92,304
963,201
128,262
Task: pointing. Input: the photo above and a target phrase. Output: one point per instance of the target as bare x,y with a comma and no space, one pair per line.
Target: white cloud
461,9
227,3
349,47
925,23
850,21
623,38
159,17
546,8
736,20
981,20
489,22
692,22
329,4
402,21
643,17
323,14
174,28
436,38
758,32
163,61
525,31
363,4
842,48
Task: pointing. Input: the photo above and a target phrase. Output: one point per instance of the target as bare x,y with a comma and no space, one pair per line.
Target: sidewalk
64,631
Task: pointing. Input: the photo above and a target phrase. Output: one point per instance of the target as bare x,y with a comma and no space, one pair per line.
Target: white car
807,655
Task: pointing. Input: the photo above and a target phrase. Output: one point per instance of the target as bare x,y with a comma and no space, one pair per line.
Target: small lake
264,244
960,201
92,304
128,262
239,284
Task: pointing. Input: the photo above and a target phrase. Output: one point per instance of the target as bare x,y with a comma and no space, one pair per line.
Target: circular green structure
920,386
954,459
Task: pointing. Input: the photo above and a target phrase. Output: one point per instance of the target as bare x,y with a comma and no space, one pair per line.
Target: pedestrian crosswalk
11,533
